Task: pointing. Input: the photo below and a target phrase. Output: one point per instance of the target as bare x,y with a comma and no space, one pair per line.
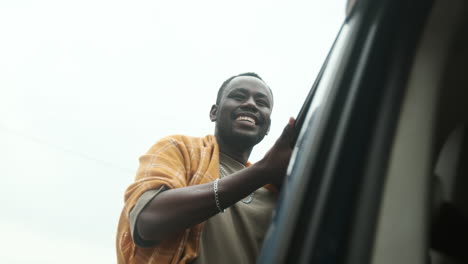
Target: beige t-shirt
232,237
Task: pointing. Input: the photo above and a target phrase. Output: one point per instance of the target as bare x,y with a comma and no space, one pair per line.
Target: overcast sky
86,87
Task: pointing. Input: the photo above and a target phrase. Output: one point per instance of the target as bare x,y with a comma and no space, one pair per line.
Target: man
187,185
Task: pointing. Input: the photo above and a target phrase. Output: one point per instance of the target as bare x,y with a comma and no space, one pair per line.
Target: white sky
86,87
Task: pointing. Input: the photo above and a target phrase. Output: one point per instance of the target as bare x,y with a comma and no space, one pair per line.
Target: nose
249,104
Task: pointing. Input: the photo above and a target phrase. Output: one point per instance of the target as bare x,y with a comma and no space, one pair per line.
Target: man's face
243,114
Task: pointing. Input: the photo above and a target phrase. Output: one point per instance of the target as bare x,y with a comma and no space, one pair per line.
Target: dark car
379,170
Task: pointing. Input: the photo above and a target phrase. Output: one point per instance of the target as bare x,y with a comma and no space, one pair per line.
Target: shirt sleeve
144,199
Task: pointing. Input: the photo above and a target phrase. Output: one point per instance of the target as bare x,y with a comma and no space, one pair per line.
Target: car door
329,208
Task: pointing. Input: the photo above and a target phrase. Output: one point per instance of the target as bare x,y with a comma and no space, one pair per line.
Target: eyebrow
262,95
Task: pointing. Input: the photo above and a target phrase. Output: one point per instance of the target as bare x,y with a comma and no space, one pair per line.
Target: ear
213,112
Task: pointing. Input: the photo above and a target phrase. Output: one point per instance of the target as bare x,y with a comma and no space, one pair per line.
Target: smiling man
198,200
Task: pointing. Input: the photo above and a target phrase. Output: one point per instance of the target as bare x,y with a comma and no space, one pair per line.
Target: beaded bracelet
215,189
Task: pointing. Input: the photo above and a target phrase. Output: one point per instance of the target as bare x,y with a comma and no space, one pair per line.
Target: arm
177,209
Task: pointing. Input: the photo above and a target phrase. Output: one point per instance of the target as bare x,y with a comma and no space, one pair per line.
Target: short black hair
226,82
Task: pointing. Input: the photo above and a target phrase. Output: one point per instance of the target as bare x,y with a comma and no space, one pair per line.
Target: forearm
177,209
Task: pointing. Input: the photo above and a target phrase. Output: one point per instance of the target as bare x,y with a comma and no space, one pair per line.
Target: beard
237,139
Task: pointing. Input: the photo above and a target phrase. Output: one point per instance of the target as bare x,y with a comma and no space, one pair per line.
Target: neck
237,152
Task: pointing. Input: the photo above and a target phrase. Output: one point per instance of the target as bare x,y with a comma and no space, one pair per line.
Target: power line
64,149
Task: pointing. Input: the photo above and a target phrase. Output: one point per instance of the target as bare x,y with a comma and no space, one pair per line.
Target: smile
246,118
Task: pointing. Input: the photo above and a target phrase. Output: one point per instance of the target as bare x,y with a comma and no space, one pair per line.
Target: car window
329,211
311,131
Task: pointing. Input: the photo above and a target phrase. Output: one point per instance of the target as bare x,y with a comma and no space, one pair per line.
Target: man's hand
276,160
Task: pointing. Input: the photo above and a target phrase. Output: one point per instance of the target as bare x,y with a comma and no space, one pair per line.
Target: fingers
288,131
290,128
291,121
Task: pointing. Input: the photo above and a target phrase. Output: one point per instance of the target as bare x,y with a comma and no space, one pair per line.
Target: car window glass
309,135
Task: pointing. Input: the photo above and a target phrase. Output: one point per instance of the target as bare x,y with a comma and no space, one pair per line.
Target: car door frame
328,209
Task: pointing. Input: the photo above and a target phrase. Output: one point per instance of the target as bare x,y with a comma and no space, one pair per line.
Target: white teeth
246,118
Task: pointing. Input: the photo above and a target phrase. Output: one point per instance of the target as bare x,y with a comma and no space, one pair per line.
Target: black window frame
341,154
